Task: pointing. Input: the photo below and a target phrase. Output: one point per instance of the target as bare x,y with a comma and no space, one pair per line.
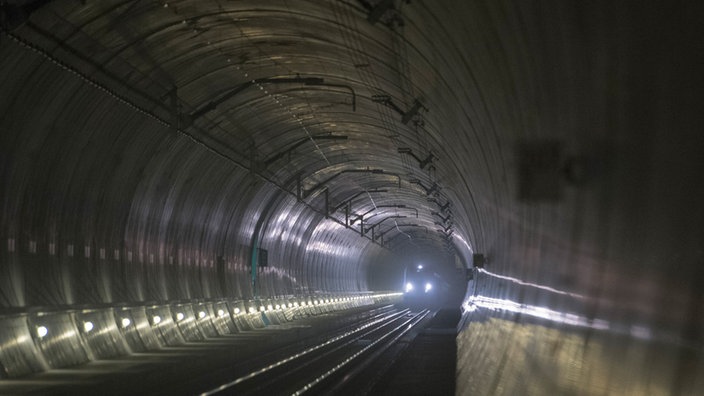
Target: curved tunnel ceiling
328,100
312,98
560,140
325,101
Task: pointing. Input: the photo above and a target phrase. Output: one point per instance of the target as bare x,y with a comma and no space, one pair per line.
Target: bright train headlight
409,287
42,331
428,287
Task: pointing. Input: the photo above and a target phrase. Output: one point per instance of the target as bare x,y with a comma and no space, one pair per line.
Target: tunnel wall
102,204
594,290
45,339
597,289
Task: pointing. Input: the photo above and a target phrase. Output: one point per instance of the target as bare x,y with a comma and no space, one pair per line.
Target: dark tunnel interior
542,160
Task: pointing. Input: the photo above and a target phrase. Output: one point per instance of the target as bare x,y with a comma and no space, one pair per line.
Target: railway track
325,365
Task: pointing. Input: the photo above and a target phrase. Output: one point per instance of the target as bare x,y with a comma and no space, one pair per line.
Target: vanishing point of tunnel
191,187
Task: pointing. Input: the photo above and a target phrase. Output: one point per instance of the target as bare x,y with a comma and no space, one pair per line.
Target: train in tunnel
424,287
175,173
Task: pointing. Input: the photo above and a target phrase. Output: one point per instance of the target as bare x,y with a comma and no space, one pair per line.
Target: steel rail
306,352
409,324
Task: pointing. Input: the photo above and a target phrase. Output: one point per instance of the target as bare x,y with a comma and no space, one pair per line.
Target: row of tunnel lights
43,331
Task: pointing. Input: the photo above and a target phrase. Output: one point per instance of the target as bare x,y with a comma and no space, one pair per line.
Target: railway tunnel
188,160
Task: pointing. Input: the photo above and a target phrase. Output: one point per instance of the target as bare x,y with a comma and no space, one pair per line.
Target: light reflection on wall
501,357
327,226
636,330
322,247
524,283
281,273
498,304
283,228
319,246
468,249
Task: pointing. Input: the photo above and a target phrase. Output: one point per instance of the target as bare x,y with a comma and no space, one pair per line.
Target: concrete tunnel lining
117,191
